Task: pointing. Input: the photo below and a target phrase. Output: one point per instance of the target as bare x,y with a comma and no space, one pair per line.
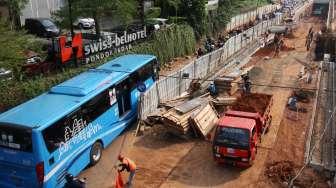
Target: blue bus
65,129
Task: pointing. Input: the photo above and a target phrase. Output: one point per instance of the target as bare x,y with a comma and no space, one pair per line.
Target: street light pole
74,49
70,18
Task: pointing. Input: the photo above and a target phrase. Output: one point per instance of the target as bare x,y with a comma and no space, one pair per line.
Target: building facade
40,9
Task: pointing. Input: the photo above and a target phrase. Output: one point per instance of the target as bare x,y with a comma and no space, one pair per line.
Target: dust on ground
166,160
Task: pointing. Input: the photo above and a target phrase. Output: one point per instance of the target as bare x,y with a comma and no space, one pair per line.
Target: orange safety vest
130,164
119,181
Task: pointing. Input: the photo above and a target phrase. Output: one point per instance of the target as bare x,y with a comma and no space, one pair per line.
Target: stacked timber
177,118
227,84
197,115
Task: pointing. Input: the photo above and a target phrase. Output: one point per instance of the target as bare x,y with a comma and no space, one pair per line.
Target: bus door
123,97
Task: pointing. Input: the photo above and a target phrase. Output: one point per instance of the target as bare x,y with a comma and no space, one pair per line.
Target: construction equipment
238,131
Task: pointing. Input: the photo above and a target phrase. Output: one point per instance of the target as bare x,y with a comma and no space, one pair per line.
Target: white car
85,23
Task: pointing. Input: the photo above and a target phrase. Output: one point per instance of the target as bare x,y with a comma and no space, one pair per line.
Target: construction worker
129,165
247,83
309,38
292,103
212,90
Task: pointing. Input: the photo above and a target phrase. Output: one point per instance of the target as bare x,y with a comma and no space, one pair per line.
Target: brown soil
289,151
176,64
256,102
290,142
280,171
263,52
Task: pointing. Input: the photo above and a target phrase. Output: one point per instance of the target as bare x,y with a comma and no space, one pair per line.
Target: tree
194,10
124,10
169,7
14,8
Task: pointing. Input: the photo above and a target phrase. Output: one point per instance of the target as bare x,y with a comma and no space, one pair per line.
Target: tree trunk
17,21
11,17
14,18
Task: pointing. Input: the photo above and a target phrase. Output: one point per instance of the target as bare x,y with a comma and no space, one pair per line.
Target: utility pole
70,18
142,11
74,50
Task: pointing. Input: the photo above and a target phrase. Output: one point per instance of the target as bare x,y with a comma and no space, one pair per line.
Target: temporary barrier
245,18
174,85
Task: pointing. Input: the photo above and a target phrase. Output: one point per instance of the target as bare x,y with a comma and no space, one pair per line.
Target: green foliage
12,55
173,42
169,7
217,20
194,10
177,20
153,12
122,10
15,7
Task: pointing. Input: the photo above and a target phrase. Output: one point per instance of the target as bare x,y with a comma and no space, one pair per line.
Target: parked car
84,23
42,27
157,23
5,74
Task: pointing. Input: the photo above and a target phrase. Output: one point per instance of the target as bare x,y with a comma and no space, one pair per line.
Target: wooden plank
224,100
205,120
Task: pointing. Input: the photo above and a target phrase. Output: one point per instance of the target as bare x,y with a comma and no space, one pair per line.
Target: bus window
133,80
15,138
123,97
146,72
113,96
63,130
96,106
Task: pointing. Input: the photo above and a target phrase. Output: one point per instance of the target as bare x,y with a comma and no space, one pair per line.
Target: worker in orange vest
129,165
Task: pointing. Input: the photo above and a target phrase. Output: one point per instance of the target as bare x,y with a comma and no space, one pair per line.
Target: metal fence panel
150,101
189,69
214,59
201,66
169,87
238,39
250,35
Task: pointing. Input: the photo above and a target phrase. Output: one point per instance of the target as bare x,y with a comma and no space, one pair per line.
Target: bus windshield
16,138
233,137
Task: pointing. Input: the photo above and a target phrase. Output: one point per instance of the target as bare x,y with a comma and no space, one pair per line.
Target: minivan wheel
80,26
96,153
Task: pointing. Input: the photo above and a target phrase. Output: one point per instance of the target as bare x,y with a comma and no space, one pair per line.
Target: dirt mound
280,171
255,72
255,102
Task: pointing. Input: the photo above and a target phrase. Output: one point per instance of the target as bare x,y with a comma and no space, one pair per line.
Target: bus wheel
96,153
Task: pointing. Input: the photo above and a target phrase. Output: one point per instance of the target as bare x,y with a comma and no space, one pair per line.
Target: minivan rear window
15,138
47,23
